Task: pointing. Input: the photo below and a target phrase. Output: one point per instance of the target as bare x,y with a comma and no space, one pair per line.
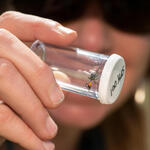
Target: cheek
135,50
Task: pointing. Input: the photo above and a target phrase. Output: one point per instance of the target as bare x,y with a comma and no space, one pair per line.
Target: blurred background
142,98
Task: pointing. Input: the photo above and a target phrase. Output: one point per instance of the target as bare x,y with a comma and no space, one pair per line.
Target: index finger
30,27
38,75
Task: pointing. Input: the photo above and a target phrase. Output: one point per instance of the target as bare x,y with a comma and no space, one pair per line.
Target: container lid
111,79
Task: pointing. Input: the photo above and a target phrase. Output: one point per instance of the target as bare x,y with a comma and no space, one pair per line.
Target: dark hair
59,10
126,15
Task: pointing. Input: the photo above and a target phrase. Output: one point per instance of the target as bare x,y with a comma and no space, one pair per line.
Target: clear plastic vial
90,74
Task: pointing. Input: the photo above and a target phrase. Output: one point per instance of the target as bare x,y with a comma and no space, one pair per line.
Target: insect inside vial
93,77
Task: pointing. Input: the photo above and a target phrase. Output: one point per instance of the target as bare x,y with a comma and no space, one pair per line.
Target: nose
91,34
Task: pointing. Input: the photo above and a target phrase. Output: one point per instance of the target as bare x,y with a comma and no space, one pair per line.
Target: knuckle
52,23
39,22
41,70
5,37
7,14
6,17
5,115
5,67
3,33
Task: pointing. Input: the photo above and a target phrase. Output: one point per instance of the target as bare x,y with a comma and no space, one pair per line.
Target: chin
79,112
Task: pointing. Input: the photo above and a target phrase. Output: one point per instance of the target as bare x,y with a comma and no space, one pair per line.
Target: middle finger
16,93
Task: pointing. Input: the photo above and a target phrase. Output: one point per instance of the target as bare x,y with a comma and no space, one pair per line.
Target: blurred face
95,35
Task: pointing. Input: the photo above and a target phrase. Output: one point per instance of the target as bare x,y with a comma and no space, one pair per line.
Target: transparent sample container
90,74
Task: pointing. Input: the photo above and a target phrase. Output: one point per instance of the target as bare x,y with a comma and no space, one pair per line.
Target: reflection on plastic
87,73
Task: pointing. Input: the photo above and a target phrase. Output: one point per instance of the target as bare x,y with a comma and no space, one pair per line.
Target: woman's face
95,35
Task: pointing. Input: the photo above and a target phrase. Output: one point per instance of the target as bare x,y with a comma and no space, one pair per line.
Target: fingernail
48,145
56,95
51,127
65,30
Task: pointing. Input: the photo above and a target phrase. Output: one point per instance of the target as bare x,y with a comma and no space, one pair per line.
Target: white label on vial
117,81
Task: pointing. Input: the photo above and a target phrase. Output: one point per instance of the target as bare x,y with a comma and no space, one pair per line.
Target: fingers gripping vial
90,74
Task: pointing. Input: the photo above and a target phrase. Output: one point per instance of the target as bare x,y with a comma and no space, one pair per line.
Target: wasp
92,78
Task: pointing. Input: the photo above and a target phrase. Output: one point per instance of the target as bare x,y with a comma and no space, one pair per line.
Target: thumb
61,76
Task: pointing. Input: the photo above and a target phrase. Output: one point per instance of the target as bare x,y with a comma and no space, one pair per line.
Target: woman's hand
27,85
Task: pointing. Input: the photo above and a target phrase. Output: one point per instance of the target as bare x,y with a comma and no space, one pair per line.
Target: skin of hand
28,86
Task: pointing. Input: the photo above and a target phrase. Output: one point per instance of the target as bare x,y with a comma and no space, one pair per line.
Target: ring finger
15,130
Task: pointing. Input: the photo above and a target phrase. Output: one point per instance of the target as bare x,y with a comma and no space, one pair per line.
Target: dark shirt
92,140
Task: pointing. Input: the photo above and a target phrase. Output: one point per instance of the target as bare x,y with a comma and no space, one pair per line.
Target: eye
58,10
